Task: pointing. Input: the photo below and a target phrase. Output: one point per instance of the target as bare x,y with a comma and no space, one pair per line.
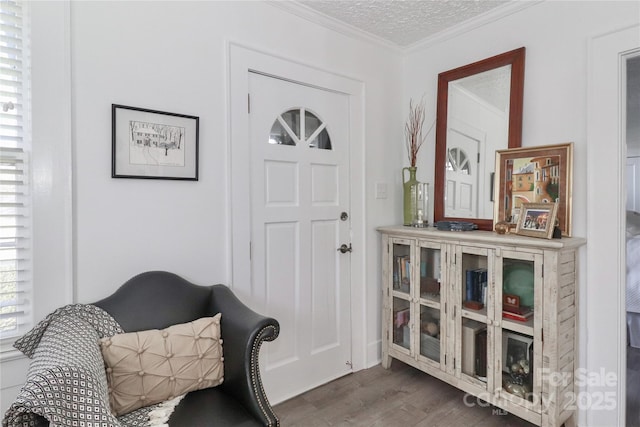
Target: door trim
242,60
605,115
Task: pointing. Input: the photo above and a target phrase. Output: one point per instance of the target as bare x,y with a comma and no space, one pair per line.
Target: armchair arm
243,332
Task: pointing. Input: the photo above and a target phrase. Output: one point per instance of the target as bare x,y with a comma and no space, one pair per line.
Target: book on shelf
481,354
401,317
521,314
402,271
429,286
470,330
475,288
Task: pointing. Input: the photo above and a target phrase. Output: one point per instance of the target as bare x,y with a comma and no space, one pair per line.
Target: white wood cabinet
449,303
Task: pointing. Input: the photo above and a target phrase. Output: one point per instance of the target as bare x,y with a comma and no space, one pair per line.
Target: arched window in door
290,129
458,161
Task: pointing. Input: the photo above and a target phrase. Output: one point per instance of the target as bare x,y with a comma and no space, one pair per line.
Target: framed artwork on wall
540,174
153,144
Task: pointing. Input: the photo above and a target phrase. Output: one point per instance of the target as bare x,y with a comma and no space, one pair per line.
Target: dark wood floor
401,396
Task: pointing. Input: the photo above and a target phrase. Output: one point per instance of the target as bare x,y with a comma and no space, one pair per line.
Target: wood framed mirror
479,111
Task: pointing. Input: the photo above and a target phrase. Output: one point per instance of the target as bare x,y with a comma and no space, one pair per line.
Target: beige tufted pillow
152,366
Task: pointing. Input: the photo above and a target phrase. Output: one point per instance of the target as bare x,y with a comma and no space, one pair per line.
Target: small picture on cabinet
515,216
537,219
516,350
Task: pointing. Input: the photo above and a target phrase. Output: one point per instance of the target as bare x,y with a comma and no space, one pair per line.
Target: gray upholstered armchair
157,299
151,300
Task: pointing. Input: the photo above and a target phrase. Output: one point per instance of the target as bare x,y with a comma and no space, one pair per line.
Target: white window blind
15,202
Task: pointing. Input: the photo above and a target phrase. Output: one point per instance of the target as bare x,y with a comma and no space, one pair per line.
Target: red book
519,317
517,309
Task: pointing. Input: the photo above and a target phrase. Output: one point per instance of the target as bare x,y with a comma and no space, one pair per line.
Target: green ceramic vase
409,199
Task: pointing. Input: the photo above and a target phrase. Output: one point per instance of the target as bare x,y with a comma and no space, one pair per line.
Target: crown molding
471,24
312,15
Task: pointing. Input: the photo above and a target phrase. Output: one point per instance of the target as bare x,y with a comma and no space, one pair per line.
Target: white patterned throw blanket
66,383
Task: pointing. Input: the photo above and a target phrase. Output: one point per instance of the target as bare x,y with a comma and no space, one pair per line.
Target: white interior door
633,183
461,175
299,139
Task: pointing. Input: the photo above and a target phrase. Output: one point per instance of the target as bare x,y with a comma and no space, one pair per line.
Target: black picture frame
151,144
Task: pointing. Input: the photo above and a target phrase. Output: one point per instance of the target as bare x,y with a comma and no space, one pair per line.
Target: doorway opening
632,237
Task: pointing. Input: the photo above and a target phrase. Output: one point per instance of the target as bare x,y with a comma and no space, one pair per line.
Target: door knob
344,248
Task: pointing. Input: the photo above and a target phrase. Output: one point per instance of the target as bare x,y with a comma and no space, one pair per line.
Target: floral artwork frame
152,144
537,219
542,174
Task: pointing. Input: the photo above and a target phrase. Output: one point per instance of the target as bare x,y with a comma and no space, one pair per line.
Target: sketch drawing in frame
540,174
153,144
537,219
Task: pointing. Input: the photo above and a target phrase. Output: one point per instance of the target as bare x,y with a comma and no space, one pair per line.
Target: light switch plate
381,190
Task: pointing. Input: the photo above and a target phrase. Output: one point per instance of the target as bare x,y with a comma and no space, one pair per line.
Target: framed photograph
153,144
534,175
515,216
515,347
537,219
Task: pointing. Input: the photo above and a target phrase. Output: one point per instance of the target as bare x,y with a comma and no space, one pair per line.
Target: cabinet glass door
401,293
432,322
474,353
518,337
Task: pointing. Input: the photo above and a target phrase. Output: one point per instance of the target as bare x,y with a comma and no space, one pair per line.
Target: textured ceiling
493,86
402,22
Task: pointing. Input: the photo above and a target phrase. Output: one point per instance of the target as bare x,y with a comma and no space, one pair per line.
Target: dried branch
413,131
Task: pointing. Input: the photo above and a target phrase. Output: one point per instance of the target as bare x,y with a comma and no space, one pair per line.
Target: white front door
461,175
299,141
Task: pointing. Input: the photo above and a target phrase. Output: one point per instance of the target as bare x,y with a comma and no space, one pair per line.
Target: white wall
556,35
171,56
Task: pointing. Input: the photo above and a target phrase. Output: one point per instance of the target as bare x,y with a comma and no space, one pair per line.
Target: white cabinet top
486,237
